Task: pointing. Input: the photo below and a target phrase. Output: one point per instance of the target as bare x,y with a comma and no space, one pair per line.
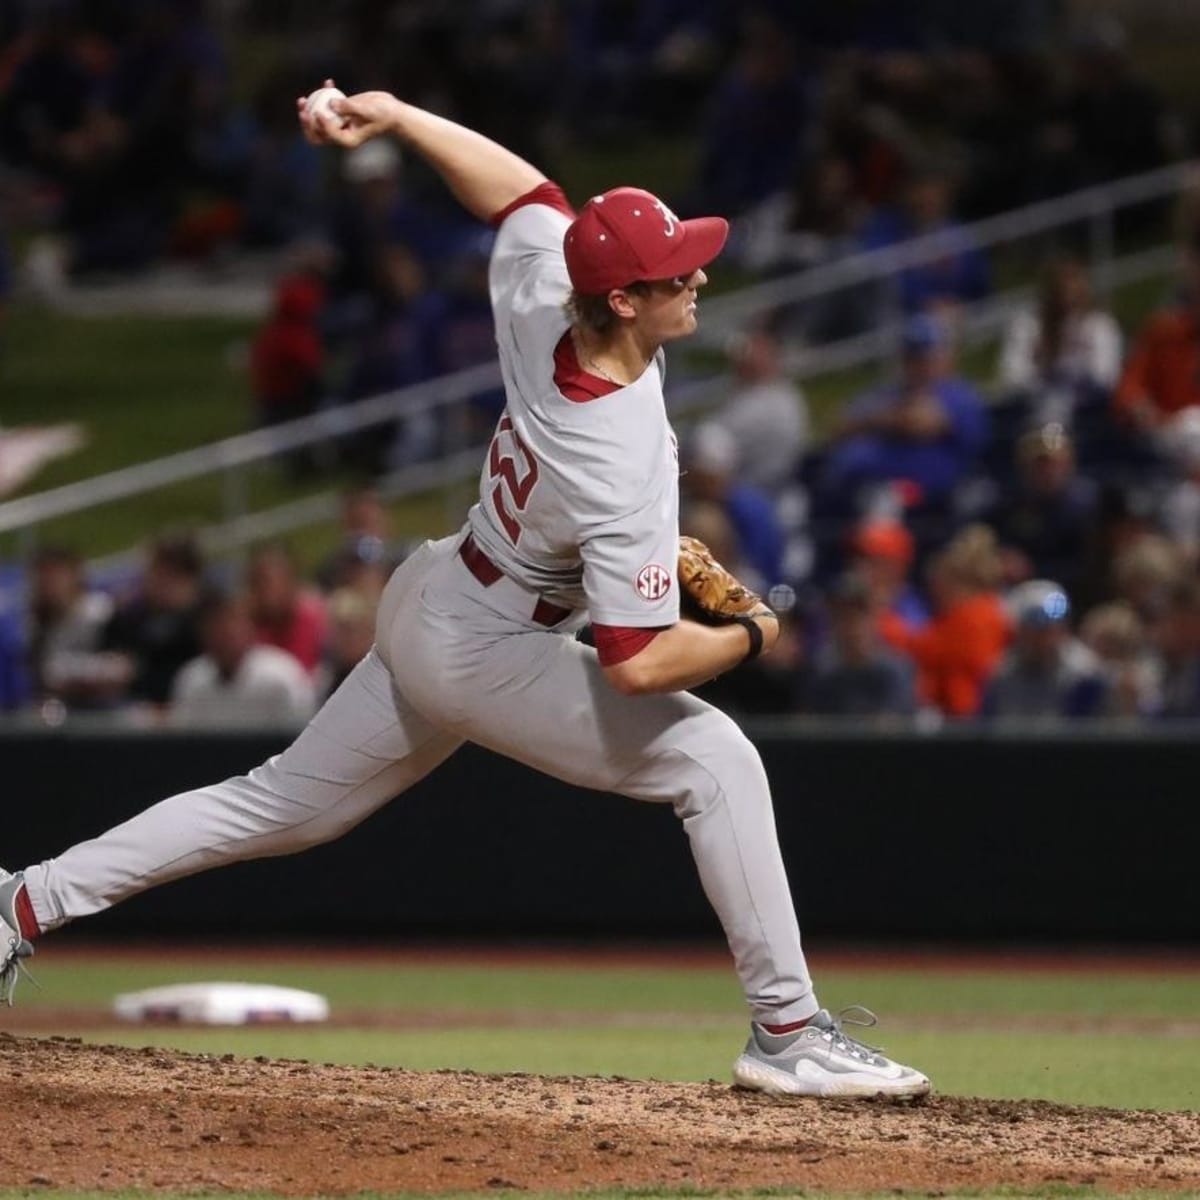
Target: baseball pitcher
577,521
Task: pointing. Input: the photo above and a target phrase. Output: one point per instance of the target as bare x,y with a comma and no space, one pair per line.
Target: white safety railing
248,448
1096,207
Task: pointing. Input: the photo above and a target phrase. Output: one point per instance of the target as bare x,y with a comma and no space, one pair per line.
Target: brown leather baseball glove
710,592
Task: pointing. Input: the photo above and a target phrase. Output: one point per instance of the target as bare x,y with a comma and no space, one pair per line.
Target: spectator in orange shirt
1162,375
960,649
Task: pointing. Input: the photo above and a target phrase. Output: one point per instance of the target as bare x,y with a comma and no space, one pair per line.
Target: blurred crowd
137,130
192,643
1032,556
935,554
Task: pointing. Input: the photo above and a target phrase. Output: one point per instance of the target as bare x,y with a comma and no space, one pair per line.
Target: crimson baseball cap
627,234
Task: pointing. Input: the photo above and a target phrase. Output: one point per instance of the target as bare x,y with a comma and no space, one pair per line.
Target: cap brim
703,239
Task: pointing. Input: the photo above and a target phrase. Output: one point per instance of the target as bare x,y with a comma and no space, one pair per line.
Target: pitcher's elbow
630,677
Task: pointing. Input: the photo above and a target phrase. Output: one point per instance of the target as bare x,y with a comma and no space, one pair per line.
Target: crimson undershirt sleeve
547,193
618,643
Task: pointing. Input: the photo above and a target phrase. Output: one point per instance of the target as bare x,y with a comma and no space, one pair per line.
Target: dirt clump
86,1117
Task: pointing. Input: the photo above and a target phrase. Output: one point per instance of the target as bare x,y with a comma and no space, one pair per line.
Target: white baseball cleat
13,947
821,1059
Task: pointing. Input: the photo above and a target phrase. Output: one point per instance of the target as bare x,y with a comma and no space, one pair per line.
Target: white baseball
320,103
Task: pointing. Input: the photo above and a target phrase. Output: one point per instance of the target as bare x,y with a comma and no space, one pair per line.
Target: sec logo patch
653,582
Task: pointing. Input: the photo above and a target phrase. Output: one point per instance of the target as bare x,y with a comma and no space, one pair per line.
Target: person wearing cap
1047,673
924,432
882,551
577,520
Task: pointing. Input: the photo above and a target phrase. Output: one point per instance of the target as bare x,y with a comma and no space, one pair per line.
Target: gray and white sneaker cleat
821,1059
13,947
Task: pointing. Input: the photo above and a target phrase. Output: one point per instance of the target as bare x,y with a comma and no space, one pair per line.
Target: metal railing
1097,207
236,452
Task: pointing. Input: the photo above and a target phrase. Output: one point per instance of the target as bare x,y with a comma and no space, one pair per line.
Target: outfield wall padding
906,836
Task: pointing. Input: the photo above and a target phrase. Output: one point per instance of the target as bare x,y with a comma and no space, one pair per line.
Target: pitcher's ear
619,301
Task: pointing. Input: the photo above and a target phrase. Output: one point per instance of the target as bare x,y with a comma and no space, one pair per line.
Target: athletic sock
790,1027
26,921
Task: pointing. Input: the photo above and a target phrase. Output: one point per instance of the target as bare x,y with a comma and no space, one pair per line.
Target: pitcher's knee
726,769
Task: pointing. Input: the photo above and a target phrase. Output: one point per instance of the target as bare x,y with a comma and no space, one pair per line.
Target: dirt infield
103,1117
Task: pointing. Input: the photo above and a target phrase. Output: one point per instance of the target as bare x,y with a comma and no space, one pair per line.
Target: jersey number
503,469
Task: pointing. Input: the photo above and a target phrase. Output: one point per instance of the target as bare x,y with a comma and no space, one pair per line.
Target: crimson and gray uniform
578,518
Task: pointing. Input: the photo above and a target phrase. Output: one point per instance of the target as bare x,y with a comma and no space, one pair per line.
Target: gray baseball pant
454,661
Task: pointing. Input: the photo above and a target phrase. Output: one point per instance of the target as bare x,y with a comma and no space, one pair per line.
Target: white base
222,1004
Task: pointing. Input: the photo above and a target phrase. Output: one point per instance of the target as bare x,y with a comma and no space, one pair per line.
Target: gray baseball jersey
578,500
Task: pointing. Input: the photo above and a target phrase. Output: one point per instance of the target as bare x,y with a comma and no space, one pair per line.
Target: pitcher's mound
105,1117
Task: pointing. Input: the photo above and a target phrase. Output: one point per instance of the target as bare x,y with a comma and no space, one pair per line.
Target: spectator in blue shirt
959,273
923,432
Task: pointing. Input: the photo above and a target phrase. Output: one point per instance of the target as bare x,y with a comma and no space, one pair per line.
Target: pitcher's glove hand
712,594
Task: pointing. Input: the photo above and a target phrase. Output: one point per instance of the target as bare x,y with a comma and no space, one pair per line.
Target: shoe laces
853,1014
12,968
